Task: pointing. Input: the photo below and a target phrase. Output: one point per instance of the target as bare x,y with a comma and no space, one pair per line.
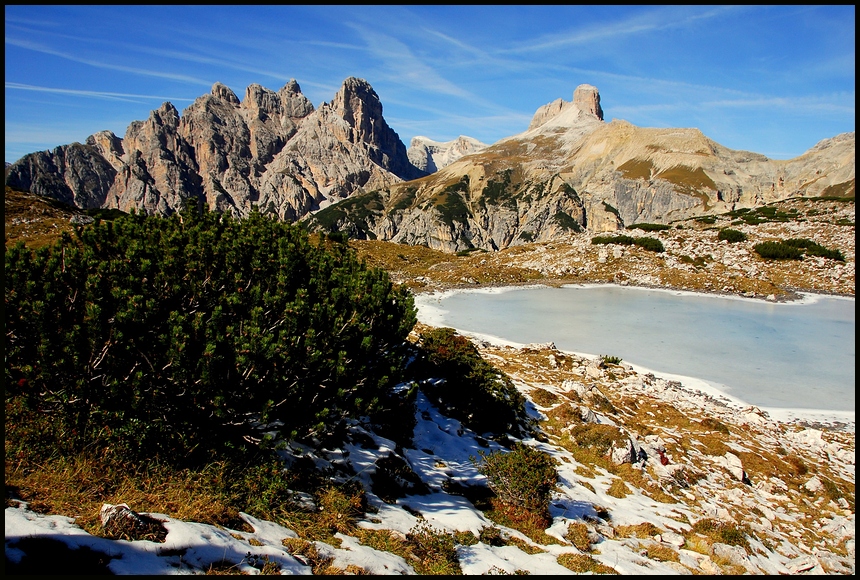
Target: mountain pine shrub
524,476
178,336
471,389
649,227
645,242
731,236
794,249
813,249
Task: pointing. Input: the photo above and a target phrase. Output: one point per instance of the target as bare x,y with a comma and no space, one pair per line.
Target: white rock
672,538
813,485
734,554
734,465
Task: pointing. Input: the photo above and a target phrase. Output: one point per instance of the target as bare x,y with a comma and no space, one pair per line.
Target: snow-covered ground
442,451
442,456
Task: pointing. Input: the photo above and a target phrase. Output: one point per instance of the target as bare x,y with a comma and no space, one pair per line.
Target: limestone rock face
548,111
429,156
344,147
75,174
358,105
271,149
159,169
109,146
570,172
586,98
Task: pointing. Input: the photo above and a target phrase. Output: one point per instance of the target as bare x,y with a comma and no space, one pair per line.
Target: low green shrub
471,390
778,251
179,337
620,239
795,249
731,236
649,227
524,476
764,214
652,244
813,249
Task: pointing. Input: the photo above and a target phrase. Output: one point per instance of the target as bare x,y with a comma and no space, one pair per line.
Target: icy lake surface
796,355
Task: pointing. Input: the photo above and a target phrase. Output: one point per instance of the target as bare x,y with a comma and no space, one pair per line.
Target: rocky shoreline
732,463
772,471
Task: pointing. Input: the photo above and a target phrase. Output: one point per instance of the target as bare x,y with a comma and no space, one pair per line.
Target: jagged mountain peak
272,150
429,155
358,104
586,99
225,93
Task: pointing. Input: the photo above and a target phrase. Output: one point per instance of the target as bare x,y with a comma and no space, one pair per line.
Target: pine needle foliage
472,390
524,476
189,334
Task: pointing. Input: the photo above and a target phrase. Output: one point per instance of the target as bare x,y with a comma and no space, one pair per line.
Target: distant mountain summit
571,171
342,168
271,149
429,156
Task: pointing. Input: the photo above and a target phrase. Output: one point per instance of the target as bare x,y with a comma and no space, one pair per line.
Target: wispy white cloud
809,104
138,71
93,94
401,66
652,21
329,44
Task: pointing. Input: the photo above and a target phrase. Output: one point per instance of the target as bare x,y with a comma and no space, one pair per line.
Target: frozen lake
773,355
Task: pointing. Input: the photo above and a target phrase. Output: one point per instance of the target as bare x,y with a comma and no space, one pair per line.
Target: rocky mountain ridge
271,149
342,168
571,171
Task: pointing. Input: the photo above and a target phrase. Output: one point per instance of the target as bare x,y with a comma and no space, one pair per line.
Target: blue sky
769,79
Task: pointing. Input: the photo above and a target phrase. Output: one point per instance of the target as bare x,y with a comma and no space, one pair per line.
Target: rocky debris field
693,257
789,488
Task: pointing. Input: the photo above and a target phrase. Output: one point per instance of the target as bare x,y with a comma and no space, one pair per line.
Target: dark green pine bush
650,244
472,390
731,236
794,249
178,336
524,476
645,242
778,251
619,239
649,227
813,249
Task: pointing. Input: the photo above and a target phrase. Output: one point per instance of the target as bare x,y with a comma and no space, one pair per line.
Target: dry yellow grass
77,487
33,220
583,563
